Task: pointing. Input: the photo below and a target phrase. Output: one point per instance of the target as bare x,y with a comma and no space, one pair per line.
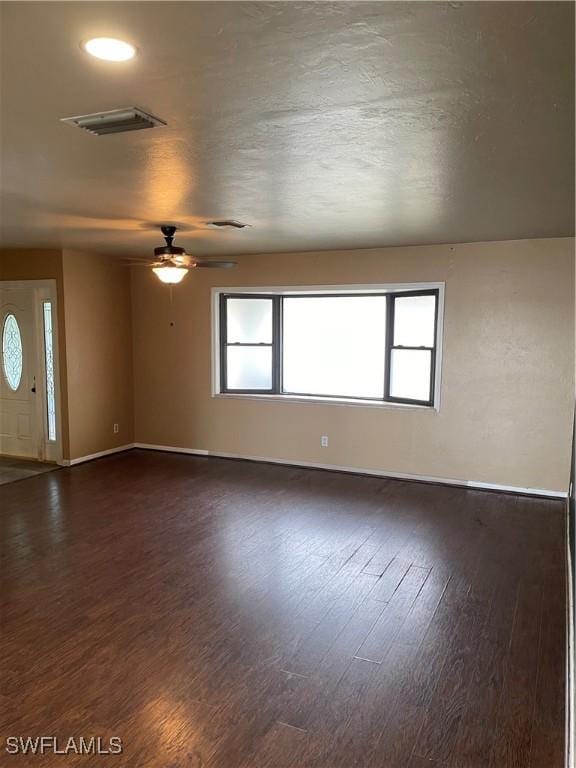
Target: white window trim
327,289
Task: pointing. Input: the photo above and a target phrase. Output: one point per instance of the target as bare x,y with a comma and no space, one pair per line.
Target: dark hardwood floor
223,614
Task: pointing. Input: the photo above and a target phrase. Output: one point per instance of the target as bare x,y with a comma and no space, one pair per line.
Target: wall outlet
116,428
324,441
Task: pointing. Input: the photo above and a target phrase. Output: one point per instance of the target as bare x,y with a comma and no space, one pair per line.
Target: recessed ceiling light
109,49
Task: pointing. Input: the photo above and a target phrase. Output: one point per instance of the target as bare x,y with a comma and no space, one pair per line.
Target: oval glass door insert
12,352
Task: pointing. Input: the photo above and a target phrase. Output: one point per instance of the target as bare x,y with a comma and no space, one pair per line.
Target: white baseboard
510,489
359,471
90,457
192,451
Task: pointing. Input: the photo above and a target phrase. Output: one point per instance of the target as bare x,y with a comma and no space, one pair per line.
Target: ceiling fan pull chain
171,305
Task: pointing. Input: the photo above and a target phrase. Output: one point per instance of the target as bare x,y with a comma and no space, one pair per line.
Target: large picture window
373,346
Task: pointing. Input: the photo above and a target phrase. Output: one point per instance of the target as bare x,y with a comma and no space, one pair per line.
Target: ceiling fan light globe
170,274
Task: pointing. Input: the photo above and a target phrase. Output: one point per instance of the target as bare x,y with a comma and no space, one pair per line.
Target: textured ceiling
323,125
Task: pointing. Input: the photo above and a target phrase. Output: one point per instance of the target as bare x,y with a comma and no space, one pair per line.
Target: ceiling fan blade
214,264
137,264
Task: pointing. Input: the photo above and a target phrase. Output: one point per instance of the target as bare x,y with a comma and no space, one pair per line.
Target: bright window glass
49,370
249,367
410,374
334,346
414,321
249,321
12,360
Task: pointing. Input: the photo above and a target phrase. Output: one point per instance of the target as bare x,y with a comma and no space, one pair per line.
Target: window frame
277,294
275,344
390,346
309,395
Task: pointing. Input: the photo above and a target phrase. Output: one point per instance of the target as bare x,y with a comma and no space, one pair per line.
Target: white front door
21,432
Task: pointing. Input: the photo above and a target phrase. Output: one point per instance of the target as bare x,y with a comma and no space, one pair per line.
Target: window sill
325,401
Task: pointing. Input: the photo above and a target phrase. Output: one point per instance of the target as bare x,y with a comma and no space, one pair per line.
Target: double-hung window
377,345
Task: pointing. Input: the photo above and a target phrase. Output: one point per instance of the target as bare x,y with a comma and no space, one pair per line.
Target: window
333,345
249,344
12,352
49,371
365,346
411,351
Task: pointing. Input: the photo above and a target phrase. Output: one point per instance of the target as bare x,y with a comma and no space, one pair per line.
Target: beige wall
99,352
507,379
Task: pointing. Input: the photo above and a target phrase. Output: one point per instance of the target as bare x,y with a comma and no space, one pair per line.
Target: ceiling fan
173,263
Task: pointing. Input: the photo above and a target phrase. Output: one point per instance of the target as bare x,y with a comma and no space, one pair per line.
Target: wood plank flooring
222,614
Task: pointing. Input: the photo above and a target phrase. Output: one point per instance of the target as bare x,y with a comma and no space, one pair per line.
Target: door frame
44,290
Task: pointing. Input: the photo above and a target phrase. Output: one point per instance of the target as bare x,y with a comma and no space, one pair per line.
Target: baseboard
90,457
359,471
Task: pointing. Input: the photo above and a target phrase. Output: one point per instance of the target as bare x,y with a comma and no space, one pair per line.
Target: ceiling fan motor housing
172,256
169,250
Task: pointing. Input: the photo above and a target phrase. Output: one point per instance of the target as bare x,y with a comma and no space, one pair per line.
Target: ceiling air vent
226,224
115,121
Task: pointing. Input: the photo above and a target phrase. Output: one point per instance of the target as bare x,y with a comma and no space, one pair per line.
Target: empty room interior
287,384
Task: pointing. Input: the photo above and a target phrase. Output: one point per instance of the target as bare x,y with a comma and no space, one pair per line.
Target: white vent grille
115,121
